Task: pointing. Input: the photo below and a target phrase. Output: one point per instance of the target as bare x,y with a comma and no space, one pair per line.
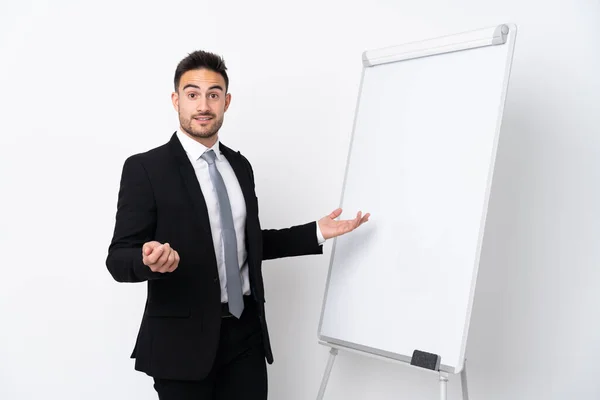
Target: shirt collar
195,149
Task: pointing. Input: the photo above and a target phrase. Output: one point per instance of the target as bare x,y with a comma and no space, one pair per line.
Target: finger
157,252
335,213
175,264
150,260
149,247
164,267
170,261
154,256
165,255
356,221
177,259
153,267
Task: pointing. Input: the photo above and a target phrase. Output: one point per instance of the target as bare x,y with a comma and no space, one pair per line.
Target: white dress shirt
194,151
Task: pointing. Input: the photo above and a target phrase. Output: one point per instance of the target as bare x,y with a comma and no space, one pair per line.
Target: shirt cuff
320,237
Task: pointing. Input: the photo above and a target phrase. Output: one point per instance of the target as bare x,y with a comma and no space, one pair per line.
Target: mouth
202,118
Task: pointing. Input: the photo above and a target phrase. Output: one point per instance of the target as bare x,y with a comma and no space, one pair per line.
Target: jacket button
216,280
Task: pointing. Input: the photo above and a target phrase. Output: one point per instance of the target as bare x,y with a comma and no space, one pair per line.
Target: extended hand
160,257
331,228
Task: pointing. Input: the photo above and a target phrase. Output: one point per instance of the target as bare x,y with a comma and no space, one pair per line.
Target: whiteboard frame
502,34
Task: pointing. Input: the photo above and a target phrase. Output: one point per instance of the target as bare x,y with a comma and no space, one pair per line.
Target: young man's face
201,102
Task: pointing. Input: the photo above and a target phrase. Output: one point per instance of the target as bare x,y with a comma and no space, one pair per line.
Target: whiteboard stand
443,377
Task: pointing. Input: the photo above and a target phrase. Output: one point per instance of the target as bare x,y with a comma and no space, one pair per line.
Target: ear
175,100
227,100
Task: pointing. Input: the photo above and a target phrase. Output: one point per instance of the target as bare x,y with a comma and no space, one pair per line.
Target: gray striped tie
234,283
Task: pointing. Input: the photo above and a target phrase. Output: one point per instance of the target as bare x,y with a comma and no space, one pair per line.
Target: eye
213,96
192,95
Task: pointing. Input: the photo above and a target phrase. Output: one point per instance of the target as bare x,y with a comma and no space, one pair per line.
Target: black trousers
240,369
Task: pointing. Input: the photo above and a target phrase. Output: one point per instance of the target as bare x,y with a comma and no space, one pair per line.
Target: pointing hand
160,257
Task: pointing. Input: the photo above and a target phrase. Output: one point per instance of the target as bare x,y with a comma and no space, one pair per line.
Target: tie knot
209,156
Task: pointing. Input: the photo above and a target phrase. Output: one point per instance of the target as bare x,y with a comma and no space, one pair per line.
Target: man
187,223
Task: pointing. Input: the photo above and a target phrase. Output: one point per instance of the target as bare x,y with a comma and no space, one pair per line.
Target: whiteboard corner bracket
365,60
500,34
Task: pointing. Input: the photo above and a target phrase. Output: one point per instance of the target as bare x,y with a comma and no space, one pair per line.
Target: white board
421,162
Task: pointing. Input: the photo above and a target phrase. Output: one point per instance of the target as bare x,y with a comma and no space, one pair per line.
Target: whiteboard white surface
421,162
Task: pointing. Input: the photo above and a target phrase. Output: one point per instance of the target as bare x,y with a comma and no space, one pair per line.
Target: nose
202,105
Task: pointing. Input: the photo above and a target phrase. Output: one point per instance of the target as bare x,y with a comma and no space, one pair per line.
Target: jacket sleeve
298,240
135,225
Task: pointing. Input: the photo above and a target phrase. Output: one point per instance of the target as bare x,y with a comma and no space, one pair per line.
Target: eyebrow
190,85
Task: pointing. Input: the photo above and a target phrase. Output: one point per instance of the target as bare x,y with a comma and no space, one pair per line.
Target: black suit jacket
160,199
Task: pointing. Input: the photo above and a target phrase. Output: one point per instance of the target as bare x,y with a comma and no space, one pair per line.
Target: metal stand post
443,385
332,353
463,382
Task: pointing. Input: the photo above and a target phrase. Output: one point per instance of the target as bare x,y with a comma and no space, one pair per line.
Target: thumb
335,213
150,246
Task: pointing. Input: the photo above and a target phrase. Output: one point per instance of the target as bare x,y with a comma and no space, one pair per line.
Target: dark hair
201,60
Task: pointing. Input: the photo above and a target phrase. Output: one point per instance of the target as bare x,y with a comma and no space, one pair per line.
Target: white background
84,85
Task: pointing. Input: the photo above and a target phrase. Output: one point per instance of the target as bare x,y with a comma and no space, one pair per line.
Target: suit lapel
242,174
191,183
